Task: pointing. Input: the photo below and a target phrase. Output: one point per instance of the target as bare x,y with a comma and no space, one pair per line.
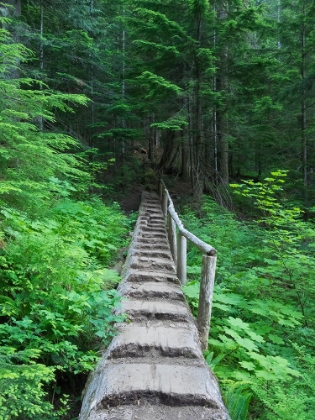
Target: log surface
154,368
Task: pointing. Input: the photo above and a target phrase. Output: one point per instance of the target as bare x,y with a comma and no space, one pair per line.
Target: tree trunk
199,172
123,84
214,115
303,106
41,56
221,115
91,80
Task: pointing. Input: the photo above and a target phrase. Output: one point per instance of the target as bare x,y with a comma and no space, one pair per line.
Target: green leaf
238,323
224,308
243,342
267,376
228,298
248,366
254,336
275,339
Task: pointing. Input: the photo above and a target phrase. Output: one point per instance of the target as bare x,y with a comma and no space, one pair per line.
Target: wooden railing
178,236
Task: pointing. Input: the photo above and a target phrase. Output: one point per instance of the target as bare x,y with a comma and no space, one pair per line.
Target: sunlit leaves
263,299
52,291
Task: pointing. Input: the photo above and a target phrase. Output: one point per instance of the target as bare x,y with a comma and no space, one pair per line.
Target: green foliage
262,324
156,85
52,293
25,378
176,122
233,81
92,226
29,157
237,399
56,292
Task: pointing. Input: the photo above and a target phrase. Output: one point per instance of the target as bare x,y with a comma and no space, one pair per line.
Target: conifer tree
296,56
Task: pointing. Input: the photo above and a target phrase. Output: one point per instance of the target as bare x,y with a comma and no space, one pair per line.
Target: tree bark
123,84
303,105
221,115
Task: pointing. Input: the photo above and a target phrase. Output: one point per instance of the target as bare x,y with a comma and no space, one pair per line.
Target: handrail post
164,205
205,298
181,258
179,251
172,237
161,190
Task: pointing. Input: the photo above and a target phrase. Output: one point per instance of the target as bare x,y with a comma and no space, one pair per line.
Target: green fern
237,399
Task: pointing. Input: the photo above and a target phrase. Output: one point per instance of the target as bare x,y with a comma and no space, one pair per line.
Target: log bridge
154,368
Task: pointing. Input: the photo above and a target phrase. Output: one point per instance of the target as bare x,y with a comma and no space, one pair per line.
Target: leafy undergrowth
56,301
56,244
262,336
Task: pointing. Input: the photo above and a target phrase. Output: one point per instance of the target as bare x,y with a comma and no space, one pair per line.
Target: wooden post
181,258
205,298
164,207
161,191
172,237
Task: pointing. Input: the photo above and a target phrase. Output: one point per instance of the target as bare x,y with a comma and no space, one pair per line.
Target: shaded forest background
211,91
97,95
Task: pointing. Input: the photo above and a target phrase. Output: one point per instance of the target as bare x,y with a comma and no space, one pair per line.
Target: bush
56,244
55,308
263,323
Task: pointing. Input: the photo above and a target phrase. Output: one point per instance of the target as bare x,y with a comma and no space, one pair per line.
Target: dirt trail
154,368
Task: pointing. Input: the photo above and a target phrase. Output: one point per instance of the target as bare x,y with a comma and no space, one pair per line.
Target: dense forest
97,95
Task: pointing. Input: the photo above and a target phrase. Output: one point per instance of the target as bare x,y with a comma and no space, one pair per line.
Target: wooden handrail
203,246
178,245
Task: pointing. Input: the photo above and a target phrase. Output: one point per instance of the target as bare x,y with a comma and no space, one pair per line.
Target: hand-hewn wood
208,263
172,237
161,191
164,205
181,258
136,366
204,247
205,298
